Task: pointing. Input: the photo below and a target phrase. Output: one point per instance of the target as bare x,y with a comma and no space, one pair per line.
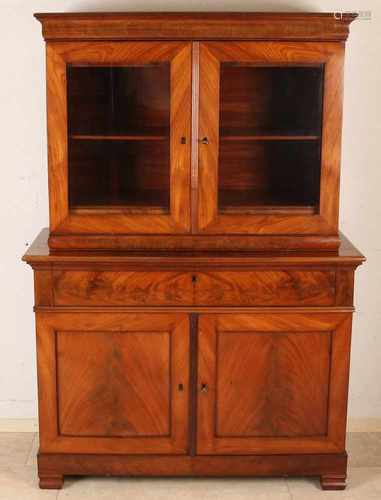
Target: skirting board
31,425
18,425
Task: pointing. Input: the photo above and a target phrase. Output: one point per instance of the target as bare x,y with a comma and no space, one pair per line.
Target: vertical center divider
194,138
193,327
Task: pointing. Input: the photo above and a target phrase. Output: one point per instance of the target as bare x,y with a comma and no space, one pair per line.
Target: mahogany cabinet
193,294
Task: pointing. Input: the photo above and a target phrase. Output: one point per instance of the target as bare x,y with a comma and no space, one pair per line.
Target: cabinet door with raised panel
113,382
269,146
272,383
119,117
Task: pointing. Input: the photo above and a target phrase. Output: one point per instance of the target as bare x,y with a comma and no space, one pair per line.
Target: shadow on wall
190,5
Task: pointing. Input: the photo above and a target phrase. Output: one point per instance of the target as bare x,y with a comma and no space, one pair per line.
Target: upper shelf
269,137
130,137
196,26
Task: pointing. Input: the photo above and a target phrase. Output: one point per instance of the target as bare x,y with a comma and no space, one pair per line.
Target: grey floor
18,479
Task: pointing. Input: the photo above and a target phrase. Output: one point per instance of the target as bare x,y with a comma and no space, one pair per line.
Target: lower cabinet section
121,383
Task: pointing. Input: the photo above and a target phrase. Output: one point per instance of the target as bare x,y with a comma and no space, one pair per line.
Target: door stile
206,378
208,137
195,136
180,147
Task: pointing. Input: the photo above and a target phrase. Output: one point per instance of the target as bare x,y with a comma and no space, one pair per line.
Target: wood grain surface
286,391
39,255
196,26
105,380
215,288
209,466
110,383
279,387
259,288
122,288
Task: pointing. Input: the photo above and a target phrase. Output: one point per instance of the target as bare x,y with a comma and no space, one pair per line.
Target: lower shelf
331,468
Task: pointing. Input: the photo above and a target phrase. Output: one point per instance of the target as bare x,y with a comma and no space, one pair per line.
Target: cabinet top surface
307,26
347,255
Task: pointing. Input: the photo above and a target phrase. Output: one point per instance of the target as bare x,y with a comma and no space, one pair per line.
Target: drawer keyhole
194,279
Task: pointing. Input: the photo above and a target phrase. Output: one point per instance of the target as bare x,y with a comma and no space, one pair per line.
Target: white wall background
23,181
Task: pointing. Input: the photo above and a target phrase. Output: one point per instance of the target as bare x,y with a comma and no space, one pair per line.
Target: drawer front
112,288
216,288
266,288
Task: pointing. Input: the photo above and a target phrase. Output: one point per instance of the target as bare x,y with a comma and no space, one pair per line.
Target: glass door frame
66,221
212,54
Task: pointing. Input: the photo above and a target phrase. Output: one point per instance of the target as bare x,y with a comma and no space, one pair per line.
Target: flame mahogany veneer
201,326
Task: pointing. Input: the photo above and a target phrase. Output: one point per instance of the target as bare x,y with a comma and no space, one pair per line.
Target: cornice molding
295,26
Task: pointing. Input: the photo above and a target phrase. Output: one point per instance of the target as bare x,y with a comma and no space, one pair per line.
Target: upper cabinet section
194,131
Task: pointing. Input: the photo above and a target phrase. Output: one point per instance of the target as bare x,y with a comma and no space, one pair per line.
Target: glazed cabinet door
113,382
119,137
272,383
269,137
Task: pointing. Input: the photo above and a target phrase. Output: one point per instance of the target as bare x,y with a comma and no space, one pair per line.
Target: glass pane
118,123
270,137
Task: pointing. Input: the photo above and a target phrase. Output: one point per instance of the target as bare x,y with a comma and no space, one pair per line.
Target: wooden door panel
113,383
323,219
278,388
273,383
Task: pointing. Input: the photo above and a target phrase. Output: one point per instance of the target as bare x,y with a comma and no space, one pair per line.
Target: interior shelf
257,201
269,137
129,137
139,201
263,209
